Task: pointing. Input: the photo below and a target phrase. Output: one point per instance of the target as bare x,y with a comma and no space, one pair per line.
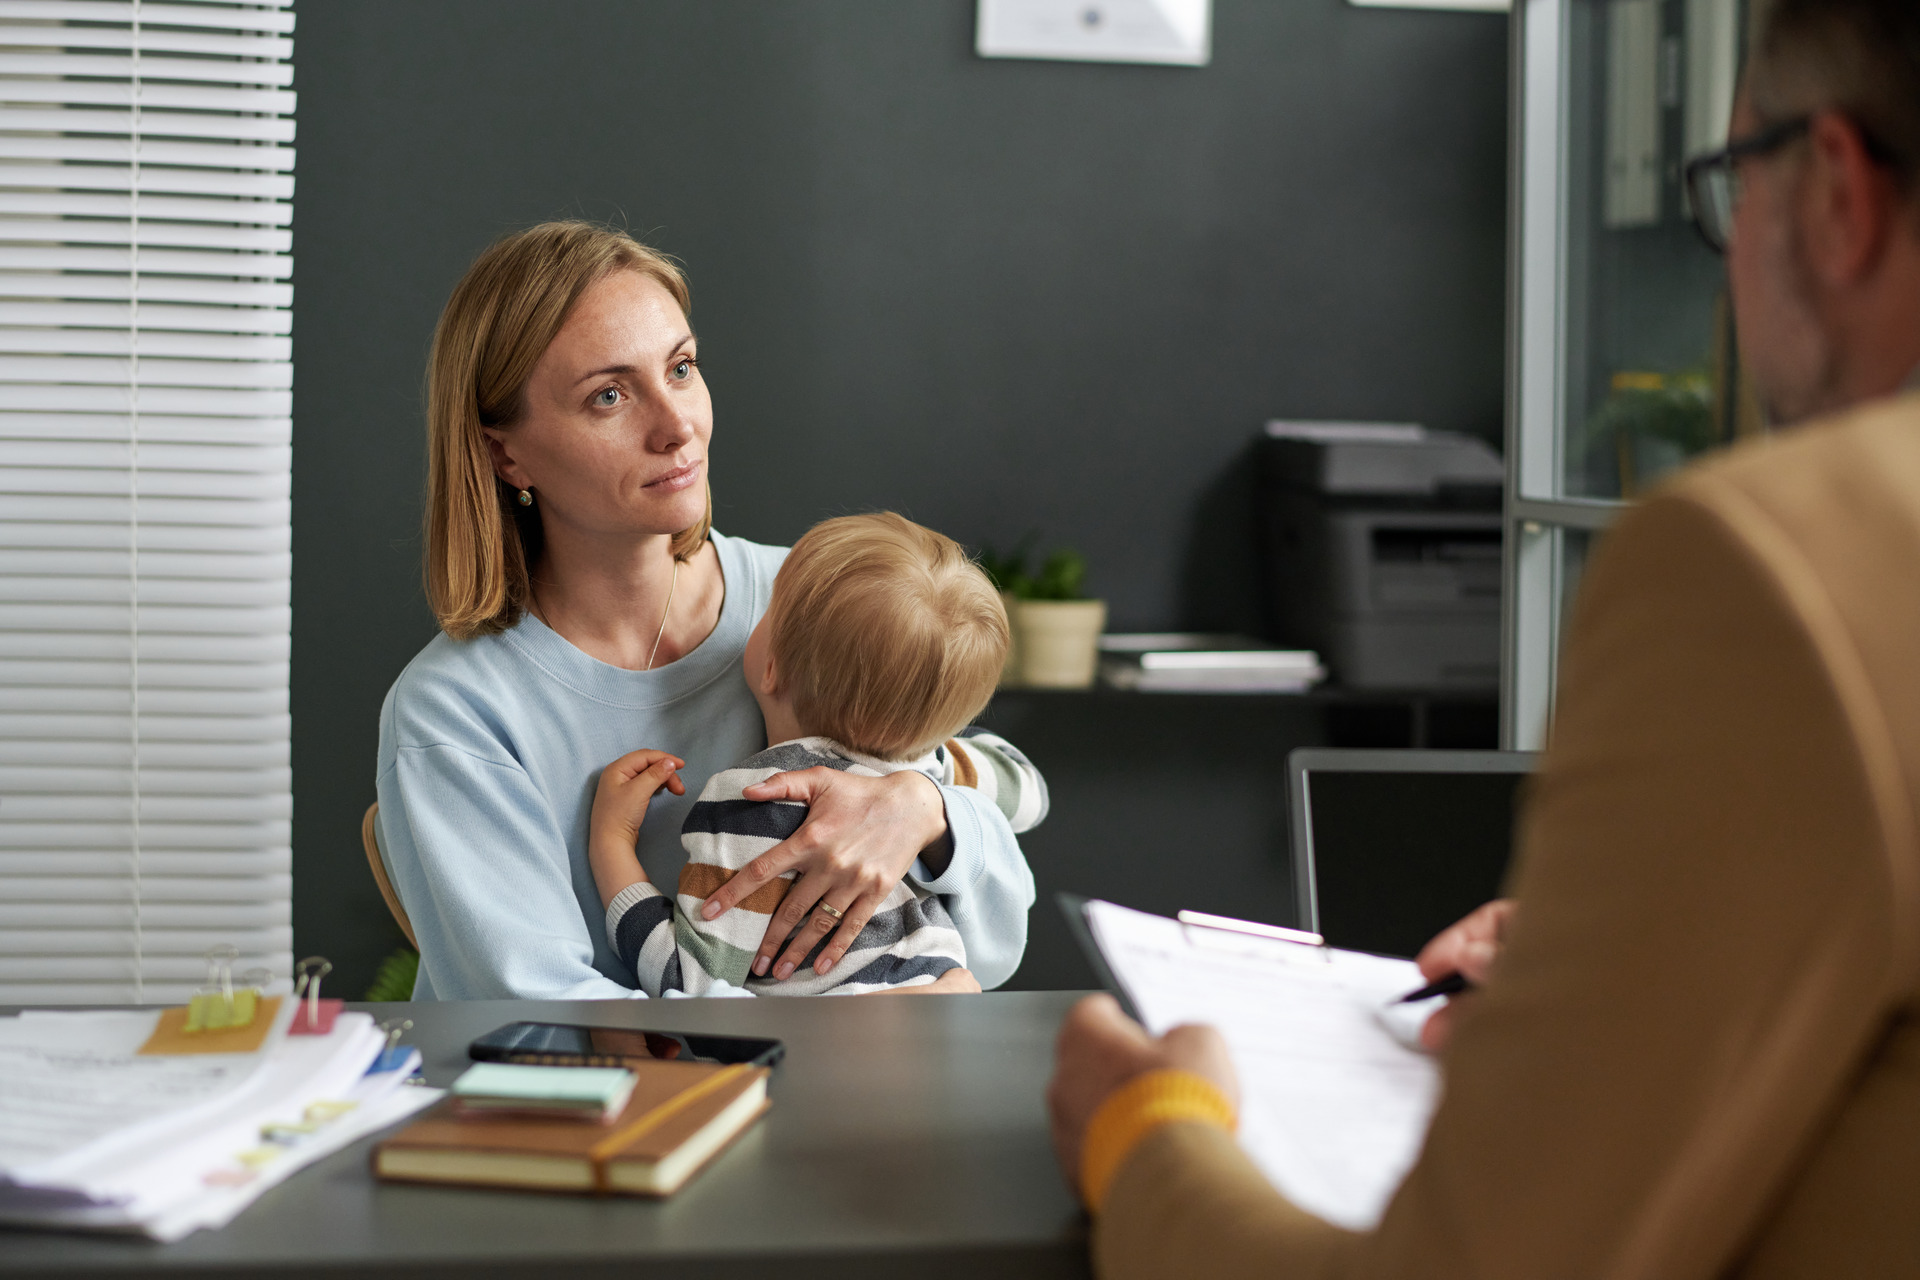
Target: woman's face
612,439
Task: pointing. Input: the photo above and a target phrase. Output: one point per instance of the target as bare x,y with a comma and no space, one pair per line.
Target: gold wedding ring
831,910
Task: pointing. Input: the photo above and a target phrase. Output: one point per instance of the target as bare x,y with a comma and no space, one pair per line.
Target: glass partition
1623,362
1647,340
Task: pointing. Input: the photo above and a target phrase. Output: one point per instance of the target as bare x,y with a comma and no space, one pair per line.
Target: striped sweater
909,941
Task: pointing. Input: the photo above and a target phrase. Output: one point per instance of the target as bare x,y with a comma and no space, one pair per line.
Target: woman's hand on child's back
627,787
861,836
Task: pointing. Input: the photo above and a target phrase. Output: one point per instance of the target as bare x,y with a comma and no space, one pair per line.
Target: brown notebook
680,1115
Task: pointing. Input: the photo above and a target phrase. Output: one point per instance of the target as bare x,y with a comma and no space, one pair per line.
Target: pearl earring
526,498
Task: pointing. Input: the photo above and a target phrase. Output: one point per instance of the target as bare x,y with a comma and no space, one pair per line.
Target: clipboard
1074,907
1334,1103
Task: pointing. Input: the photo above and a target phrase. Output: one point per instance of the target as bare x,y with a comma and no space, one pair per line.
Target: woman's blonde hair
501,318
888,638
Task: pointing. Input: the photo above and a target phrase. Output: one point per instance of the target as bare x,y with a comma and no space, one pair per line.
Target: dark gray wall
995,295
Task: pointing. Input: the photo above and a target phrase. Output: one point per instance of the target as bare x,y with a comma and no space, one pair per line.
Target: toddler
881,643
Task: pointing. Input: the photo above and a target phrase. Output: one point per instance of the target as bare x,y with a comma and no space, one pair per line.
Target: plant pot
1059,642
1010,670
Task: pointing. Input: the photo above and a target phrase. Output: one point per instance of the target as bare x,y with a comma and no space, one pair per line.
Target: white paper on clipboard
1334,1107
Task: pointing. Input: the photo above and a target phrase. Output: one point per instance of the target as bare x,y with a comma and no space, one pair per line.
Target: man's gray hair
1858,57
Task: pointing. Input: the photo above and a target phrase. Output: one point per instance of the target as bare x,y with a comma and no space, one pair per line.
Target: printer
1381,547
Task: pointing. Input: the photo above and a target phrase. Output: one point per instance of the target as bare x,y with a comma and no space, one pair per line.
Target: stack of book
639,1131
1192,662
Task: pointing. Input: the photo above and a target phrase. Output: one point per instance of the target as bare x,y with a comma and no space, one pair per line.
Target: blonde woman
587,610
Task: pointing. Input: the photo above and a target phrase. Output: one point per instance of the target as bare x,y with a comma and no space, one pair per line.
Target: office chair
370,837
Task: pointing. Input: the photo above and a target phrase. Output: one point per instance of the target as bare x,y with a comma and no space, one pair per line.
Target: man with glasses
1809,202
1695,1047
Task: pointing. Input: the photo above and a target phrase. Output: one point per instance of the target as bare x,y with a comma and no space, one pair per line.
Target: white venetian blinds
146,177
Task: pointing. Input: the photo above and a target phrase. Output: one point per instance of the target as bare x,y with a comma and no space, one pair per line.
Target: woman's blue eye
607,398
683,369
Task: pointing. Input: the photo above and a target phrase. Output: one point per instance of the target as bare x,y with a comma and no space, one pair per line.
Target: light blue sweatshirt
490,752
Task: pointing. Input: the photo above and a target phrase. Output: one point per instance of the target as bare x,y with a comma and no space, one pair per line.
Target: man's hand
1468,948
1100,1048
860,837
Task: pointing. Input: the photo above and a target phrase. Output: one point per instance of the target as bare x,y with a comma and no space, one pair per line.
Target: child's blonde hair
888,638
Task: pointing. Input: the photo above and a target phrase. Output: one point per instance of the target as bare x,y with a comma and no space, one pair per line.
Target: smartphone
564,1045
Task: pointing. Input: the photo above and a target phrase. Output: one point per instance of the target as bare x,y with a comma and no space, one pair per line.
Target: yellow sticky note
209,1012
171,1036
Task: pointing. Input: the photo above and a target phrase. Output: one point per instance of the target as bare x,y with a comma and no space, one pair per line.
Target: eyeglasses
1713,180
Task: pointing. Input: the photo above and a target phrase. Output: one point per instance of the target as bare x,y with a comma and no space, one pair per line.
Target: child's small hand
627,787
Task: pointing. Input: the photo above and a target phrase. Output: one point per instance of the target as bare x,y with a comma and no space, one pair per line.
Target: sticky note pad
211,1011
321,1025
593,1091
170,1034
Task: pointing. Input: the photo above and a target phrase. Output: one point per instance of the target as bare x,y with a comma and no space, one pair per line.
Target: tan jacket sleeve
1704,952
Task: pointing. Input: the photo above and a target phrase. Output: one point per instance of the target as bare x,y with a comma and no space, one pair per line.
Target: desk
907,1140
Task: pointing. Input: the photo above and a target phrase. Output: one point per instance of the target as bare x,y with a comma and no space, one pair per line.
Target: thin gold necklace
671,587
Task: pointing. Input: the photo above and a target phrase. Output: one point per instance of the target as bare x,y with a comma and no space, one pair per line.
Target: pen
1451,985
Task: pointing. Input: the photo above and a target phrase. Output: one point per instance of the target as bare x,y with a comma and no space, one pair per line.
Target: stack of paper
96,1135
1347,432
1184,662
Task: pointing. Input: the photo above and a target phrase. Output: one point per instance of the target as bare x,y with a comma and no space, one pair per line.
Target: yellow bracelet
1134,1110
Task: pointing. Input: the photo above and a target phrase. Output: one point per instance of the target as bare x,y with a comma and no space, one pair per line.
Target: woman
588,610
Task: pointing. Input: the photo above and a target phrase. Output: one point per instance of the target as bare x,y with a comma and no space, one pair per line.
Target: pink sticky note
322,1024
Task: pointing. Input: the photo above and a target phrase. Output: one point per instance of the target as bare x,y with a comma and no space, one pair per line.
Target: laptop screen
1399,854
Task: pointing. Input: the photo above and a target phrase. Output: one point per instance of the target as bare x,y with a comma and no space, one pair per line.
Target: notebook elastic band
603,1152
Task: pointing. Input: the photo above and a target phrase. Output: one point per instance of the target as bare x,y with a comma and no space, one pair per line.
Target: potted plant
1055,629
1650,424
1006,570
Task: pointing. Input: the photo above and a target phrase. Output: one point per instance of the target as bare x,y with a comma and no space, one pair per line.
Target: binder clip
219,1005
314,1016
394,1057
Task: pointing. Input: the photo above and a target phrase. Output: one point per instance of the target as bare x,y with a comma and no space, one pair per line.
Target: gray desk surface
907,1140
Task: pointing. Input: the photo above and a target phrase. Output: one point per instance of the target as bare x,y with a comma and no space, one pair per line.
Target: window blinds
146,177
